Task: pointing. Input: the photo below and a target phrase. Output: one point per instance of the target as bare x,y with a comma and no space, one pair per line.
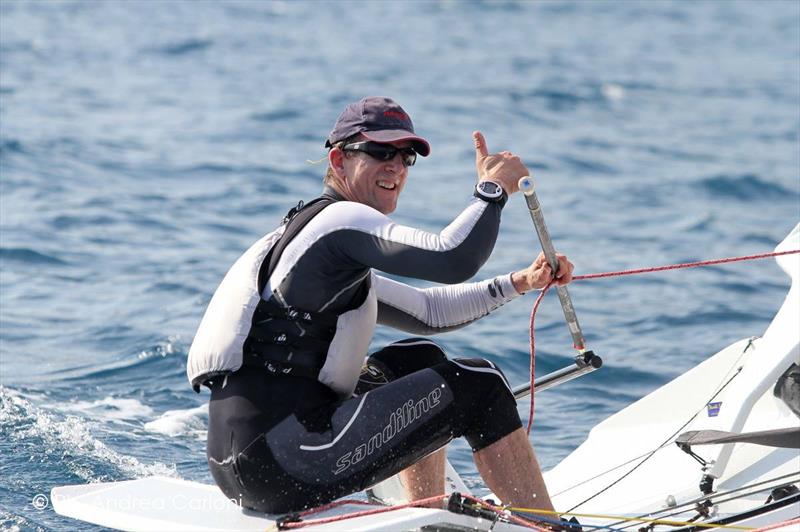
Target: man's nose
396,163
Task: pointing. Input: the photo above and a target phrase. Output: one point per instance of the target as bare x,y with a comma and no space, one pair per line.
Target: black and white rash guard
331,264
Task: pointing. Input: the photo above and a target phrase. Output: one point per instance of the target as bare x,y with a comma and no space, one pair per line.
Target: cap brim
420,145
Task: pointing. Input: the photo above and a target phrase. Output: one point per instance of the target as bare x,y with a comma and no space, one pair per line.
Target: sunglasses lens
384,152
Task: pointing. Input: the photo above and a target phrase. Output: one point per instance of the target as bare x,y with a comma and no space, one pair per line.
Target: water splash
190,422
67,440
109,408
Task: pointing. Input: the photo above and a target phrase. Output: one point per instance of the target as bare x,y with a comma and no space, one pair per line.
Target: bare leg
425,478
510,469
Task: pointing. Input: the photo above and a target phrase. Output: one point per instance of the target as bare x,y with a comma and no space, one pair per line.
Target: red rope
419,503
630,272
683,265
331,505
333,519
533,349
777,525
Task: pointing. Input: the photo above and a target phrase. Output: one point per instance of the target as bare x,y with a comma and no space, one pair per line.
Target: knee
485,371
485,399
397,360
421,347
407,356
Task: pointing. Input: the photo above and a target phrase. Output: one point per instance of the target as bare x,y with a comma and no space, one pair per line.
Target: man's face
373,182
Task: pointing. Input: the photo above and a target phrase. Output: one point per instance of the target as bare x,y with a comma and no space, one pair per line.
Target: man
293,423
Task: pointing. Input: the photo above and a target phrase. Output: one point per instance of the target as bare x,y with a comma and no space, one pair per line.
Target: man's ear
336,161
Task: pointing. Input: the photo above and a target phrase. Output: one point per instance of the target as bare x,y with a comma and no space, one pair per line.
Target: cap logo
396,114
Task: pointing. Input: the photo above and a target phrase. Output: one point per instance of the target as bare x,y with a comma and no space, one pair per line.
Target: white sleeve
441,308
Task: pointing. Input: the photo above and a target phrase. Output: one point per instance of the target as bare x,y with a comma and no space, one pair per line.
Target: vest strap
289,340
284,339
284,360
269,309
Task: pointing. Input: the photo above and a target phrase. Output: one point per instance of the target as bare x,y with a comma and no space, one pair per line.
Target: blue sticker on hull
713,409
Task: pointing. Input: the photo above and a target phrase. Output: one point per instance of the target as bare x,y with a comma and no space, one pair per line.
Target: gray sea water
145,144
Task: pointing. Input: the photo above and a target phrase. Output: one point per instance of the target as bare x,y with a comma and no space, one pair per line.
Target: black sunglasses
383,152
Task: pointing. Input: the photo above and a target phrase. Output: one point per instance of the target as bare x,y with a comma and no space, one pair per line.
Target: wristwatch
491,192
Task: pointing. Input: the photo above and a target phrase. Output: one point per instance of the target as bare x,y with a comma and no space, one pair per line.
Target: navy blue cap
379,119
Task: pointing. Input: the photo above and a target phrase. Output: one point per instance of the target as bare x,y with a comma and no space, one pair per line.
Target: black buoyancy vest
289,340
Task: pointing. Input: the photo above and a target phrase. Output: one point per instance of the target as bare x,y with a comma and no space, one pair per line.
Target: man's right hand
539,274
503,168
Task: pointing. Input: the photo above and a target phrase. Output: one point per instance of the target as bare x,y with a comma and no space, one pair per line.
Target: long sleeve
442,308
347,237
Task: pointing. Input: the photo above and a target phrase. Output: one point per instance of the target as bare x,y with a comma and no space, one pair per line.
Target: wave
276,115
554,99
66,441
168,356
585,165
8,146
177,288
64,221
656,323
210,168
109,408
745,187
740,288
29,256
700,224
190,422
226,228
558,99
17,523
676,153
183,47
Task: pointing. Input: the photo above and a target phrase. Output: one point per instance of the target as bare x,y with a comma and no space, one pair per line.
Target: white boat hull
166,504
629,465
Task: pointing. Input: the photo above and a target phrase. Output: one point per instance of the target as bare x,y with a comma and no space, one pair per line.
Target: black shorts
280,444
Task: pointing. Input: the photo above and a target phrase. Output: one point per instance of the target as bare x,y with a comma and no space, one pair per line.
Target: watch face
490,189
